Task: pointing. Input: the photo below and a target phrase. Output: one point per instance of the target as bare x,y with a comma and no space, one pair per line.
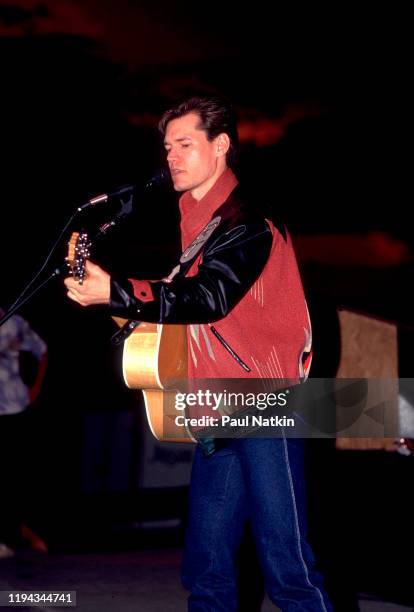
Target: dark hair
216,116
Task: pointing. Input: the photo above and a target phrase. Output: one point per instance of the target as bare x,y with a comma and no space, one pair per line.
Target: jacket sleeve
230,265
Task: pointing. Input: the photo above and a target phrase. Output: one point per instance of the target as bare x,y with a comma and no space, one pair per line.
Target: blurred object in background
22,368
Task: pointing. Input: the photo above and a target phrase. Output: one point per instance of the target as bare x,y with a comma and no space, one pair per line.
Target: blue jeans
260,480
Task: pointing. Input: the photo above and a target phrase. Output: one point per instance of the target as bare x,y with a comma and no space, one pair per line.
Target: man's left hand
96,287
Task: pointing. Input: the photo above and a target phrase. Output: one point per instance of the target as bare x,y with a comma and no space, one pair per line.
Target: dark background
320,95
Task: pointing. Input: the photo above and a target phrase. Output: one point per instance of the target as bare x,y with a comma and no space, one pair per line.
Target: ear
222,144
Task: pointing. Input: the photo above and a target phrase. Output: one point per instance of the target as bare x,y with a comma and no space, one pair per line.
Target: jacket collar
196,214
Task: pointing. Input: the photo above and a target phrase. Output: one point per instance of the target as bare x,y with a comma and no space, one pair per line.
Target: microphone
104,197
158,178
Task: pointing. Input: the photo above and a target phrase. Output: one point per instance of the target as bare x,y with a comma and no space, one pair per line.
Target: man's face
192,159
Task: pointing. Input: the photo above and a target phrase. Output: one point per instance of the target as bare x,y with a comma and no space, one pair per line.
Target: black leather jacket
232,259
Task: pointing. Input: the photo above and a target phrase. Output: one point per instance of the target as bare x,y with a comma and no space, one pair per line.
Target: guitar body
154,356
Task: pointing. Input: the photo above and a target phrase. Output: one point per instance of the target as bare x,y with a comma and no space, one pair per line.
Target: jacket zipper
229,349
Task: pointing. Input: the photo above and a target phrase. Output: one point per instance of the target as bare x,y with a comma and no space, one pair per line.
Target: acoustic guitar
154,355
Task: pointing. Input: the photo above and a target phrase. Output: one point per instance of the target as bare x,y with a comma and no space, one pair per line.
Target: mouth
175,172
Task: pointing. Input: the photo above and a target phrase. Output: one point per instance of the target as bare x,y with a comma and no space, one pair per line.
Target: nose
172,156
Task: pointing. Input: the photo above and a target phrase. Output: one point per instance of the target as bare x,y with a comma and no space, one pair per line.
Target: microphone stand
126,208
103,230
9,313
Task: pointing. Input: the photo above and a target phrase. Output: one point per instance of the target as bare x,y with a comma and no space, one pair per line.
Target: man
239,272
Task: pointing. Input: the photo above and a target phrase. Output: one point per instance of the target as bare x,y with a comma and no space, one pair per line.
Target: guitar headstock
78,252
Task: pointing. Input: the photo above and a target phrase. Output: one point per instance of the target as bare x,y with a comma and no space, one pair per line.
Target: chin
180,186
